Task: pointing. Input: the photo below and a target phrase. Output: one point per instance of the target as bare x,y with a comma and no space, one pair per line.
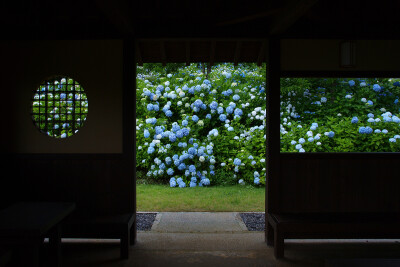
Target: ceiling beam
293,11
116,13
264,14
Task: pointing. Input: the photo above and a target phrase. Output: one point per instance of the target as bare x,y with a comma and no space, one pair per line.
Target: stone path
198,222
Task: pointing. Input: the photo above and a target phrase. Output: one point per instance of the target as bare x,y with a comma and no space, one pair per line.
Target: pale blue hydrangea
392,140
195,118
385,131
237,162
170,171
352,83
222,117
302,140
376,88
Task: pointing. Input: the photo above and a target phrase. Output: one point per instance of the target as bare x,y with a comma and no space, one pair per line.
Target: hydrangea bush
340,115
197,129
192,125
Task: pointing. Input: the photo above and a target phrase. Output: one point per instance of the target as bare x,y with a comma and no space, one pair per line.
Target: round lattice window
59,107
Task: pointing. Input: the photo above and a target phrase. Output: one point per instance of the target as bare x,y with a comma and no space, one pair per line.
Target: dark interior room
85,186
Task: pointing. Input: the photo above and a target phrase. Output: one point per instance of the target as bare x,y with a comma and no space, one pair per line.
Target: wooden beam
187,53
212,53
116,12
293,11
264,14
163,54
138,53
261,53
237,53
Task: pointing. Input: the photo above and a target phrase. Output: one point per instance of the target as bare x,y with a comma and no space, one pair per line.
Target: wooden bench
28,223
120,226
335,226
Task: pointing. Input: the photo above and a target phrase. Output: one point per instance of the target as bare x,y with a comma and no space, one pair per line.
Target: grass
151,197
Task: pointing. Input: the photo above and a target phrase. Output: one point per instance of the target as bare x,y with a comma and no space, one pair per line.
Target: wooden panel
97,186
353,183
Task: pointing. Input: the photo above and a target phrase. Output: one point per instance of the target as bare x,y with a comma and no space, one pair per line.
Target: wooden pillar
273,131
129,120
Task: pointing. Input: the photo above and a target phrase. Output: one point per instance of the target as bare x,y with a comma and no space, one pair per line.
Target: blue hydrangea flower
385,131
220,110
182,166
179,134
182,185
392,140
354,120
352,83
208,116
192,168
146,133
370,115
168,113
195,118
298,146
213,105
323,99
149,107
170,171
229,110
236,97
184,123
237,162
369,102
222,117
150,150
376,88
257,181
238,112
302,140
172,137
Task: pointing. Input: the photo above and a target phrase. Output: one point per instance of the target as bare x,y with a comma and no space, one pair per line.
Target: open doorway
200,139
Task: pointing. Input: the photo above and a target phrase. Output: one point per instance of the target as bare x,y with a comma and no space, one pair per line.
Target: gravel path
145,221
254,221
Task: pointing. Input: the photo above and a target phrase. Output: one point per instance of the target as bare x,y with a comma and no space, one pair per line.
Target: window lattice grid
60,107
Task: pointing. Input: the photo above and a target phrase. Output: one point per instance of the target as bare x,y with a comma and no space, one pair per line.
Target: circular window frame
41,118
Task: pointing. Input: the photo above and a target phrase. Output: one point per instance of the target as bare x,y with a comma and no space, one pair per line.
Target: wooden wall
329,182
95,168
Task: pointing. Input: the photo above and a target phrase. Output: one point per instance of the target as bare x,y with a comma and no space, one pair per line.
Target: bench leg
279,243
125,238
270,234
133,234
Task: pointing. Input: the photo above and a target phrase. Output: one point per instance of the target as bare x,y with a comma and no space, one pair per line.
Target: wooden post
273,132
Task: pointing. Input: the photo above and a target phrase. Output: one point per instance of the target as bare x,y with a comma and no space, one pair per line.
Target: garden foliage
196,128
193,127
340,115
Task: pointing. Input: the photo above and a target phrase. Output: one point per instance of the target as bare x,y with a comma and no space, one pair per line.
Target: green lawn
215,198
